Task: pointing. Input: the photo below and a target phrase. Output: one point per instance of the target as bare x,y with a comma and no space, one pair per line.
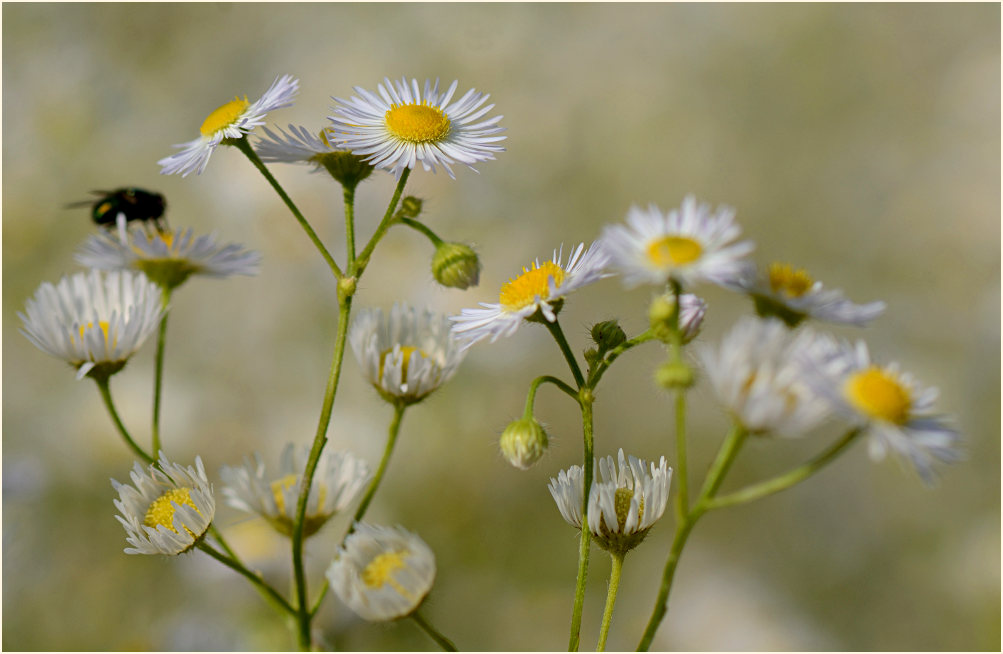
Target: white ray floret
233,120
298,145
400,126
92,319
166,510
540,288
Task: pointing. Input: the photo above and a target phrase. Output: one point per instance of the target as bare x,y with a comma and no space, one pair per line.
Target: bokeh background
860,141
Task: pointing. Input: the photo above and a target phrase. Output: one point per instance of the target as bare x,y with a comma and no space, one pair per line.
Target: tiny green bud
691,315
410,207
660,316
674,374
456,265
592,356
608,334
347,168
523,442
346,287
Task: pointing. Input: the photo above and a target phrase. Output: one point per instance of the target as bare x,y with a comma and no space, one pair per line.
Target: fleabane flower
300,145
401,125
690,244
792,295
405,354
166,510
892,407
93,321
167,258
626,499
233,120
759,373
382,573
692,310
338,479
539,289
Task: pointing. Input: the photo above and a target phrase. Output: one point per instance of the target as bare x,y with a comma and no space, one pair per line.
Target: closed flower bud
690,317
410,207
607,335
674,374
523,442
456,265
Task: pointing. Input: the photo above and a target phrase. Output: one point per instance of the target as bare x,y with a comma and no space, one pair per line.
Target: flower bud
523,442
607,335
410,207
349,169
690,318
674,374
456,265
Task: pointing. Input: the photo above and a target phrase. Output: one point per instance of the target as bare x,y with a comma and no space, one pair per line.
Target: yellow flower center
161,510
102,325
878,394
533,283
224,116
406,352
417,123
280,486
791,281
621,500
669,251
379,571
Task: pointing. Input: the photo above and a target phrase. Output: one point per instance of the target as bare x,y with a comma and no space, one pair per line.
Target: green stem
682,494
725,457
244,146
363,259
443,642
555,330
320,597
222,542
375,483
583,548
320,439
103,386
539,381
349,195
614,585
258,582
787,480
604,365
158,371
421,227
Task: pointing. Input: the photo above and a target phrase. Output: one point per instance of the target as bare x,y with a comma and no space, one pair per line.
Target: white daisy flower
792,295
405,355
166,510
690,244
401,126
233,120
382,573
92,320
758,373
167,258
540,288
625,501
895,410
339,478
299,145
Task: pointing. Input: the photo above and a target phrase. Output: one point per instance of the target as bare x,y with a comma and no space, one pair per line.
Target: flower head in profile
758,372
299,145
894,409
168,258
689,245
625,500
166,510
338,479
233,120
382,573
792,295
401,125
537,293
93,321
405,354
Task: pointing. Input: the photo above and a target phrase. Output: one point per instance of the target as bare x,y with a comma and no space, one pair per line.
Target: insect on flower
134,203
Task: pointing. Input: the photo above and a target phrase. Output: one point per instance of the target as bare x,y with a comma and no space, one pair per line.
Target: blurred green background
860,141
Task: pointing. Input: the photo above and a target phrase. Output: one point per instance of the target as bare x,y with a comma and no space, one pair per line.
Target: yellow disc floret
279,488
224,116
669,251
533,283
379,571
406,352
161,510
878,394
621,500
417,123
788,280
102,325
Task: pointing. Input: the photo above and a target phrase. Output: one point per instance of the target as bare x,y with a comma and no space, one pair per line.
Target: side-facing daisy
339,477
232,120
300,145
690,244
402,125
539,289
759,374
166,510
791,294
382,573
167,258
405,355
94,322
625,500
894,409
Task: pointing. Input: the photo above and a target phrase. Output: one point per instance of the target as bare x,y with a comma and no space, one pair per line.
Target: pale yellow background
860,141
